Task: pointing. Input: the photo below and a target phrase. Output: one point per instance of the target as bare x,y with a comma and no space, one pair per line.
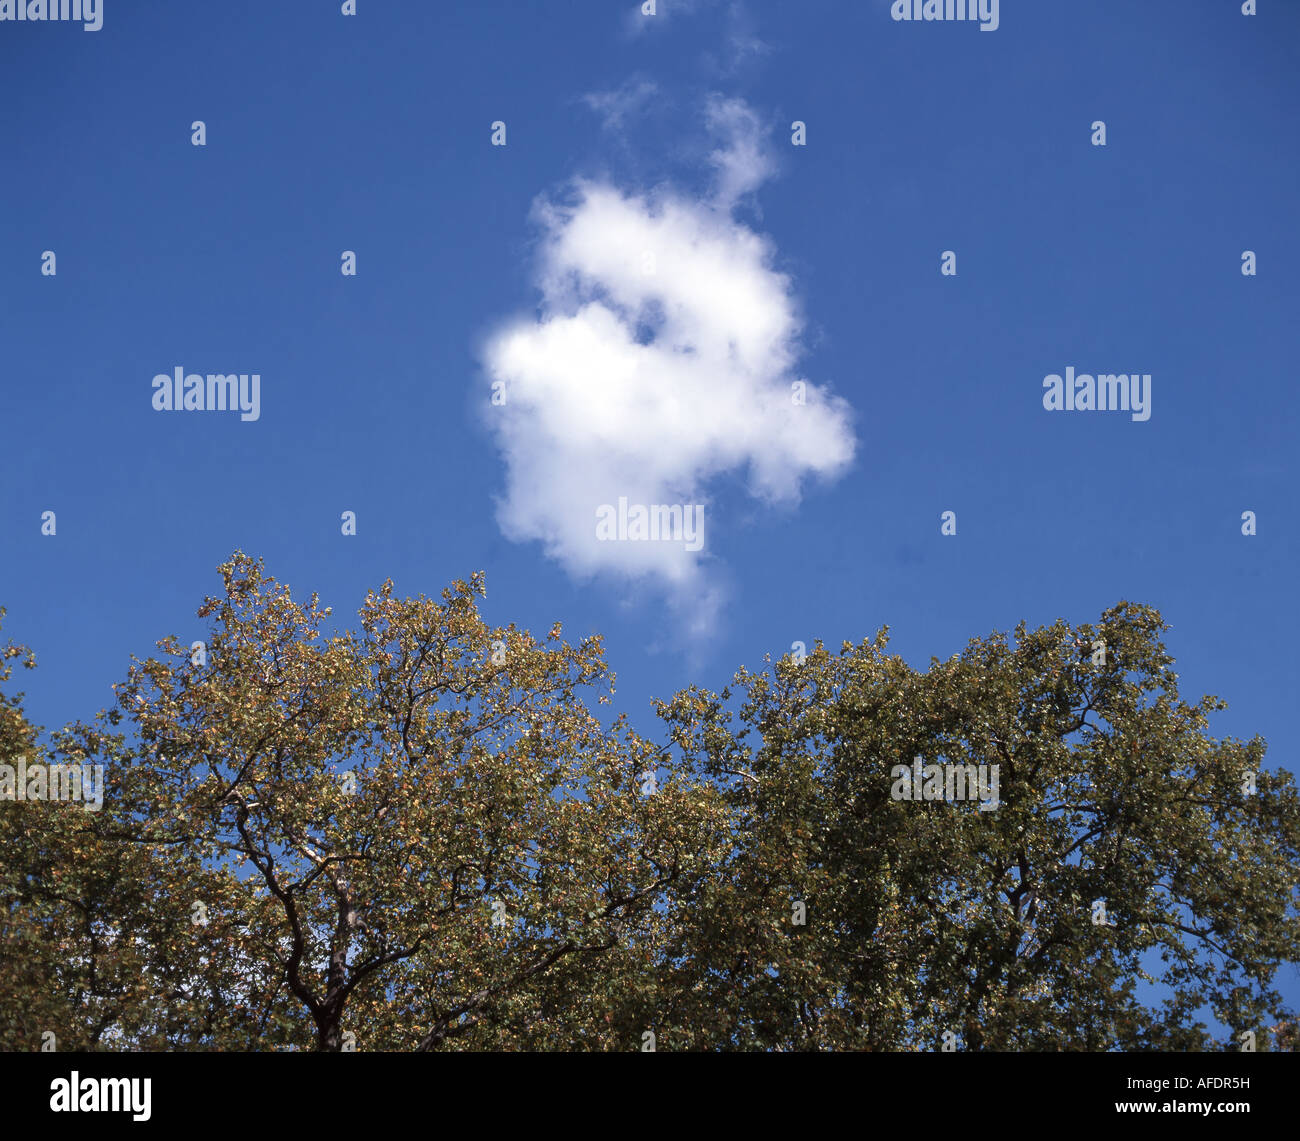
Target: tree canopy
421,834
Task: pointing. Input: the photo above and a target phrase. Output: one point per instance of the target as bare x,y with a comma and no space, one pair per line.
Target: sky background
373,134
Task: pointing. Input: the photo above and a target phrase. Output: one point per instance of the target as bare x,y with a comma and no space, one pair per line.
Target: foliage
418,835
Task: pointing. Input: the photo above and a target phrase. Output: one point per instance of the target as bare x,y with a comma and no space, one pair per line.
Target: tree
92,916
22,948
932,922
397,838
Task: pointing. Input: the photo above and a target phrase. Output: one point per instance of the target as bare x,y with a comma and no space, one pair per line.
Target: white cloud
638,21
626,100
662,357
743,160
742,45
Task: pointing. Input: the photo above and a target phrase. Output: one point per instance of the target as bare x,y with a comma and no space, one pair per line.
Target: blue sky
372,133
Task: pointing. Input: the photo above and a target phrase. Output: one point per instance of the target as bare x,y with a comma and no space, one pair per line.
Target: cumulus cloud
662,357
